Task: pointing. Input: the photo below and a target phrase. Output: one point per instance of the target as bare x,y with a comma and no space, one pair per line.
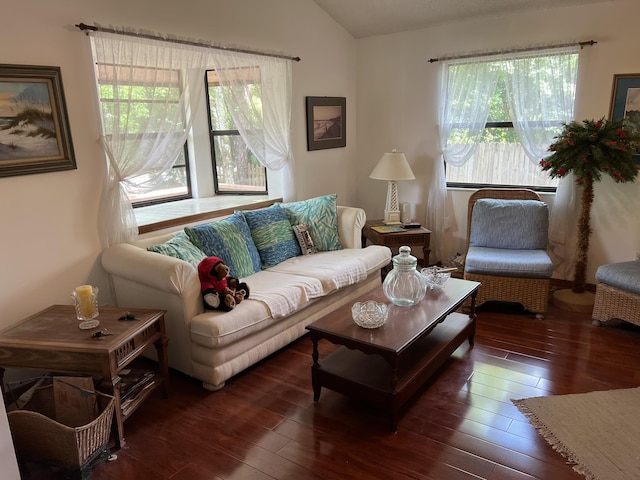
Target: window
164,80
134,102
235,168
535,92
499,158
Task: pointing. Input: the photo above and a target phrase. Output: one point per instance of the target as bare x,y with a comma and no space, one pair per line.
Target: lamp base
392,217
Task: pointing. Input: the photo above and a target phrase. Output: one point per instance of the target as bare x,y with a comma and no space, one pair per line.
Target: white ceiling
365,18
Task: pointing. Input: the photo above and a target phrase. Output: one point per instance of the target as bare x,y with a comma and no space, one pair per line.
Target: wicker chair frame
531,293
612,302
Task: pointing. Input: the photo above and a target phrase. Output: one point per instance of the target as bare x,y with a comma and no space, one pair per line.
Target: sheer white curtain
563,227
264,126
141,140
541,89
465,91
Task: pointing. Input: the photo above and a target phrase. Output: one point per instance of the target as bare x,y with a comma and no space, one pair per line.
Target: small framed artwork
625,102
34,128
326,122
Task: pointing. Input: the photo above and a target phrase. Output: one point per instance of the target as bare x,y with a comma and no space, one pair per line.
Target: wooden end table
52,341
386,366
410,236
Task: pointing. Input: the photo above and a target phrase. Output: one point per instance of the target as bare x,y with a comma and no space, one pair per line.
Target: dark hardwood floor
462,424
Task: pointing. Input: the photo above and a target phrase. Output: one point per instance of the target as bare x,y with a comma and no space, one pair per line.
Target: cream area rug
599,432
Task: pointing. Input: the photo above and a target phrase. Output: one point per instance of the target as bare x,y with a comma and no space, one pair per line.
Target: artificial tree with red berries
589,149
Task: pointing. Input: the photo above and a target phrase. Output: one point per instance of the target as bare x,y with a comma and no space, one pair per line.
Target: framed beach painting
326,122
625,102
34,128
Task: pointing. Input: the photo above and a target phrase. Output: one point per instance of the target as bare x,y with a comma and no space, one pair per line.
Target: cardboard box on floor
74,400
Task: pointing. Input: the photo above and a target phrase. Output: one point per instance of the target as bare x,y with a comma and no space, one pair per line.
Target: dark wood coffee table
386,366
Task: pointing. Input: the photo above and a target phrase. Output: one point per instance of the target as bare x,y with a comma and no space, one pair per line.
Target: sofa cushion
622,275
321,214
272,234
276,296
337,269
274,293
215,328
508,262
230,239
333,272
526,221
283,294
179,246
374,256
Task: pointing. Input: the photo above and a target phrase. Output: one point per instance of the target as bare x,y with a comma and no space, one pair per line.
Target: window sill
172,214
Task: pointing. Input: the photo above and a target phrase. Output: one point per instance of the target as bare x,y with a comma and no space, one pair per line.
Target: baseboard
557,284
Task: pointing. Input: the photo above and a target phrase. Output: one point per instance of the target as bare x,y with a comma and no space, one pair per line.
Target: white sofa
213,346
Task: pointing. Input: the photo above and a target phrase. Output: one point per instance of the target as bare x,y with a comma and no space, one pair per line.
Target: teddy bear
219,290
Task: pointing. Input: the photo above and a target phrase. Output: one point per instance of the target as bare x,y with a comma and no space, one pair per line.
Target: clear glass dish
369,314
435,278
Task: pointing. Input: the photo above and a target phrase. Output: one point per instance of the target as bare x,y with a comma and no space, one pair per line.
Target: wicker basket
37,436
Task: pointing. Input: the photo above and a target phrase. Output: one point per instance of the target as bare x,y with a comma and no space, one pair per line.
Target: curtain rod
516,50
95,28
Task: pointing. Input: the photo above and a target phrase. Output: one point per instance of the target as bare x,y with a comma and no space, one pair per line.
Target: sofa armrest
351,221
152,269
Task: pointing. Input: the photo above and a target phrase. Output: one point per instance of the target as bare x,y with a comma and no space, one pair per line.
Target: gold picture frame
625,102
34,128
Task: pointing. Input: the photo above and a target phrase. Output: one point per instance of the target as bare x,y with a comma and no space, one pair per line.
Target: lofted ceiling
365,18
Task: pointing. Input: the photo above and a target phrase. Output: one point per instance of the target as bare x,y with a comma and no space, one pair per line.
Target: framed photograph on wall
34,128
625,102
326,122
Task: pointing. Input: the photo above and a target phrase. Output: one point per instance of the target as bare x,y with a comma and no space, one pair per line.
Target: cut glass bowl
435,278
369,314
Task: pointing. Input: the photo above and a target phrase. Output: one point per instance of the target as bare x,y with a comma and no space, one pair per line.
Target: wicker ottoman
618,293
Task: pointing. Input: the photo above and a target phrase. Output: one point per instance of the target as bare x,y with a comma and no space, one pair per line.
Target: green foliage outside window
499,134
137,104
237,169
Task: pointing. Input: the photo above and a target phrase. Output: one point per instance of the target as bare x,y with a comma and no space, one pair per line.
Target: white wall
49,221
397,94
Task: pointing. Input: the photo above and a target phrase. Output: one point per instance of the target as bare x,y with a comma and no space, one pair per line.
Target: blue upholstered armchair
507,232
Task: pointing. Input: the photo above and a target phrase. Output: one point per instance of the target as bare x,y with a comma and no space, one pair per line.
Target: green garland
590,148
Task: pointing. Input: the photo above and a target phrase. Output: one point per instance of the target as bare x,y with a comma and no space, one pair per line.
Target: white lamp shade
392,166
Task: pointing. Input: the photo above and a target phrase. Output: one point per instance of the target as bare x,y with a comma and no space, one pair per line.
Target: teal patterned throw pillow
230,239
321,214
272,234
180,247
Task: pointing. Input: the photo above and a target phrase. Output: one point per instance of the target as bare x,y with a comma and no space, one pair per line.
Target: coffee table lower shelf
370,377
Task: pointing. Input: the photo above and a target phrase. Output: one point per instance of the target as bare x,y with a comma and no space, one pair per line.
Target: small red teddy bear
219,290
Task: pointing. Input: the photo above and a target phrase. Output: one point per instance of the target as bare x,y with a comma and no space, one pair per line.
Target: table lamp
392,167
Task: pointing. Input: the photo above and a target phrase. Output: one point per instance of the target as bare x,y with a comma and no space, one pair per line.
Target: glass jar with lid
404,285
